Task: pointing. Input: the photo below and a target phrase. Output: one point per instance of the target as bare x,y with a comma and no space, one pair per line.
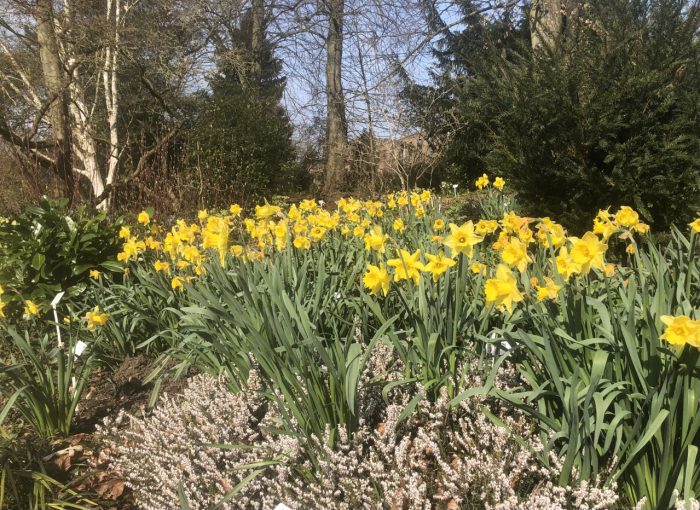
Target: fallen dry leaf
111,489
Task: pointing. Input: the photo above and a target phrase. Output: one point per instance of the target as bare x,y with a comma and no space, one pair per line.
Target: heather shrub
176,445
439,457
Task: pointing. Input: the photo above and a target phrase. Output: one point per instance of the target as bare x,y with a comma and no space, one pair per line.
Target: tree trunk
55,84
257,39
546,22
337,130
110,82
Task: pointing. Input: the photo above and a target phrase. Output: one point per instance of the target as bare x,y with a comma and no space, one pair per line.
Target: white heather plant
440,457
173,445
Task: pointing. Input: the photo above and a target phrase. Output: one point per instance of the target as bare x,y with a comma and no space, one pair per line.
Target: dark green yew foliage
607,117
239,146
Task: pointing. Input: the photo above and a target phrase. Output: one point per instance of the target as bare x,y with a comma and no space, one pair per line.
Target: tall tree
89,51
55,82
240,142
337,128
546,19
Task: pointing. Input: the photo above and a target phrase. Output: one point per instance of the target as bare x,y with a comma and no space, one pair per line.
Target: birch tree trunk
111,87
337,130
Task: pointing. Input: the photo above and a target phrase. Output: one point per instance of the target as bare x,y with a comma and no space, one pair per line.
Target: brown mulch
107,393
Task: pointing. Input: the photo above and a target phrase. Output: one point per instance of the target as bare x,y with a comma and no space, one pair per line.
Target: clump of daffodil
95,318
482,181
550,234
513,223
131,250
485,227
438,264
462,239
377,279
215,236
266,211
503,290
628,218
162,266
407,266
681,330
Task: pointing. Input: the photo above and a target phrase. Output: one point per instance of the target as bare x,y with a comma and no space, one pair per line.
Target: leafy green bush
44,250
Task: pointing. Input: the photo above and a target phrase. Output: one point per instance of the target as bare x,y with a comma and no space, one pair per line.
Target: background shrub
608,116
45,250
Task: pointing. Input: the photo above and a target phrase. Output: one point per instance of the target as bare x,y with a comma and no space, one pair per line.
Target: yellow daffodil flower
695,225
515,254
502,290
462,239
588,252
302,243
626,217
375,239
438,264
177,284
549,290
95,318
565,264
376,279
681,330
407,266
482,181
